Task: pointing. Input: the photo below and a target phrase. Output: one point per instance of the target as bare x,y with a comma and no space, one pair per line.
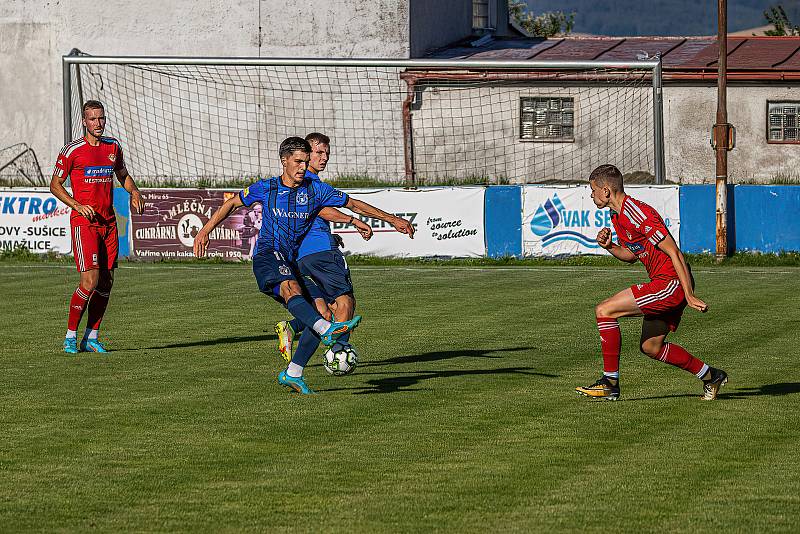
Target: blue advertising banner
503,215
563,220
122,207
767,218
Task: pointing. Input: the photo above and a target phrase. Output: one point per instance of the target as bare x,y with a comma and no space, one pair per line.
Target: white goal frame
451,67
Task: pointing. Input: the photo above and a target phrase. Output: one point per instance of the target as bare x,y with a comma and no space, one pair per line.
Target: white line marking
416,268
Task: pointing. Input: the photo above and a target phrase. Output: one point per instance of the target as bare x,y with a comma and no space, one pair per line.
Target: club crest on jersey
628,234
112,157
302,198
284,270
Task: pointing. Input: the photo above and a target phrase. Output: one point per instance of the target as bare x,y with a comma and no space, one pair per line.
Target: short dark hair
92,104
316,137
607,175
291,144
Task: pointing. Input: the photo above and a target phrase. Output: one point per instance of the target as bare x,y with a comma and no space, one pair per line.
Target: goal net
194,121
19,167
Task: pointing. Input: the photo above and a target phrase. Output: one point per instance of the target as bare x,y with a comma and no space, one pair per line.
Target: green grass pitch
462,415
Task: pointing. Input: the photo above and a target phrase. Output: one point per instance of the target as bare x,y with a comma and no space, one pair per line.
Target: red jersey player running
643,236
90,163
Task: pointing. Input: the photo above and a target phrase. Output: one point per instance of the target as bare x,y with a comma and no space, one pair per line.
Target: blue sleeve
252,193
327,196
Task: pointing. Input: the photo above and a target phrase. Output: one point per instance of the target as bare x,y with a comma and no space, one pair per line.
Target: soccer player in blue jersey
319,259
290,203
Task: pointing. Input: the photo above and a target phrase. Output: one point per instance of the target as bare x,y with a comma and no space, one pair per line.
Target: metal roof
757,58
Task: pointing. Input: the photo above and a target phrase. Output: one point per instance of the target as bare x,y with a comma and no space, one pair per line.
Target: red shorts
661,299
95,247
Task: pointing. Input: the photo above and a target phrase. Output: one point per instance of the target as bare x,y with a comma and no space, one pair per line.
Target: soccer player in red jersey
642,236
91,163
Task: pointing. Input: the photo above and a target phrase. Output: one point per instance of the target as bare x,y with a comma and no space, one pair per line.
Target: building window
782,122
482,14
547,119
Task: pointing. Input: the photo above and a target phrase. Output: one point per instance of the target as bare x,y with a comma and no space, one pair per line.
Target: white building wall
689,114
474,133
34,34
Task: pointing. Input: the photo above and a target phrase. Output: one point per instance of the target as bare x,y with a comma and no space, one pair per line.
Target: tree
776,16
544,25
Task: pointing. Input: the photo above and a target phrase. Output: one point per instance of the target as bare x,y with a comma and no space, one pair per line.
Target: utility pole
723,134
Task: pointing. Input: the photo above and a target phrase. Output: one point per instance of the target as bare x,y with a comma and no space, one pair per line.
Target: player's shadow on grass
769,390
404,382
436,356
215,341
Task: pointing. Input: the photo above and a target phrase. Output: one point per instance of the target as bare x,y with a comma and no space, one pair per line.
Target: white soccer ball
341,359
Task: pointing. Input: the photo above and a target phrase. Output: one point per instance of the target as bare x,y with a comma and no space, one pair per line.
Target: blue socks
297,325
306,347
303,311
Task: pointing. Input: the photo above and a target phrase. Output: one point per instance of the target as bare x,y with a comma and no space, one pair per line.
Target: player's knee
346,302
89,281
345,307
602,310
88,287
289,289
650,348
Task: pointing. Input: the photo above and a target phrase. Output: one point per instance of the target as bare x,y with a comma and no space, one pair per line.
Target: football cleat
711,386
297,384
92,345
602,389
71,345
337,330
285,339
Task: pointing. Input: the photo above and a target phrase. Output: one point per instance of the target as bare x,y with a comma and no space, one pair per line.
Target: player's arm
670,248
61,193
201,239
619,252
362,208
336,216
137,202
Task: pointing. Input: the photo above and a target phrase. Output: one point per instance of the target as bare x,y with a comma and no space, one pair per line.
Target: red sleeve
653,227
63,164
119,163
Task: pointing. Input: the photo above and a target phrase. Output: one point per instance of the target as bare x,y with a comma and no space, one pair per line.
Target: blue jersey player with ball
290,203
319,259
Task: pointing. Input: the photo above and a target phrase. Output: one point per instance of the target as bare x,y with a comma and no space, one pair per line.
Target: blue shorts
270,269
329,274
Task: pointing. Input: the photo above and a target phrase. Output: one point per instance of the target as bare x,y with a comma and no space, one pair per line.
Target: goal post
214,121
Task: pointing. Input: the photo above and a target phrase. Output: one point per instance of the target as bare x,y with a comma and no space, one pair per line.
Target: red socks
97,308
97,304
676,355
610,344
77,305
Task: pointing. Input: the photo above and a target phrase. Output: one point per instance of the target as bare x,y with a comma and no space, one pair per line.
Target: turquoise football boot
92,345
297,384
337,330
71,345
